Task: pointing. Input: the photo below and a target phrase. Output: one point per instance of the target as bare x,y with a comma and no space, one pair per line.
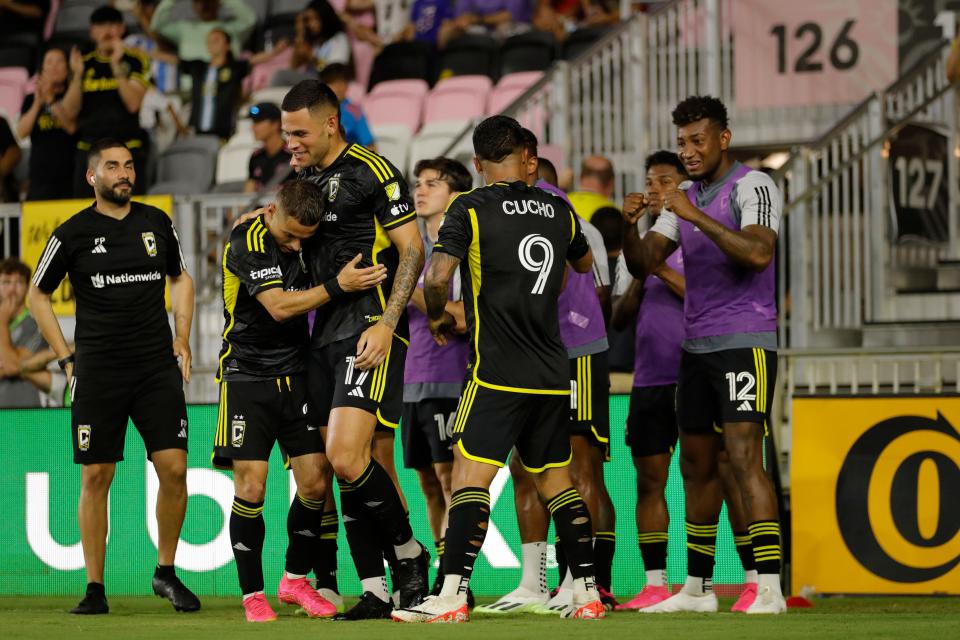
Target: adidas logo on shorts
745,406
357,392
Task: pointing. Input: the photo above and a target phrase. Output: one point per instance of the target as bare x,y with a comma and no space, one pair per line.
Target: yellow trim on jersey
379,382
551,465
573,225
220,438
760,364
470,456
536,392
599,438
396,223
256,232
381,242
371,158
466,402
231,289
584,389
272,282
385,422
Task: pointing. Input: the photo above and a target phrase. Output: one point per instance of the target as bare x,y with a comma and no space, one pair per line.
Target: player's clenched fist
634,206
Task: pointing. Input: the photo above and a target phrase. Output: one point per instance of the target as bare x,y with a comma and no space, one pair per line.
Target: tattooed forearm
408,271
436,283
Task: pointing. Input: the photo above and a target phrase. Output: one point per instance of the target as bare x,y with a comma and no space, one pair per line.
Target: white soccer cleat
585,606
557,605
520,600
435,609
768,601
683,601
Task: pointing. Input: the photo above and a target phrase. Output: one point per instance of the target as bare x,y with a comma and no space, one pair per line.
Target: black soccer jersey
118,270
513,241
255,346
366,197
102,112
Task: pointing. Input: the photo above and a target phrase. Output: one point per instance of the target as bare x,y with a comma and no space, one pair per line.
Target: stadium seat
13,81
502,97
363,56
270,94
235,186
290,77
391,108
190,161
523,79
530,51
261,8
553,153
261,74
402,60
356,92
233,161
413,87
454,104
23,57
469,55
278,7
176,188
434,139
74,17
478,84
393,143
581,40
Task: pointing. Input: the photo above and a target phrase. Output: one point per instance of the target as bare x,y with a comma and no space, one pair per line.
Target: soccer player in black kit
512,243
119,255
263,393
359,340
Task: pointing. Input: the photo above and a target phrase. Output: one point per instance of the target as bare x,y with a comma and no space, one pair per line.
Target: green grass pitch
222,619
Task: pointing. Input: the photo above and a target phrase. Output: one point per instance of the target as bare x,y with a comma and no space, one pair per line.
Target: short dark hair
452,172
496,138
664,157
310,94
14,266
547,172
330,22
225,33
336,72
609,223
303,201
106,15
699,107
101,145
530,142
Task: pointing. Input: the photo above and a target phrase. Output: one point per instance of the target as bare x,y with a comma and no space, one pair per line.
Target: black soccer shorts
652,420
335,382
590,400
427,432
490,423
255,415
104,399
734,385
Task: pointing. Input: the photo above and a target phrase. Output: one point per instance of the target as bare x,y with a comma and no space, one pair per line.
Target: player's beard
114,194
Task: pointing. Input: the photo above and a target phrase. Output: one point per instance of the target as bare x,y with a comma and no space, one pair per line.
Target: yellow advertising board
38,220
875,495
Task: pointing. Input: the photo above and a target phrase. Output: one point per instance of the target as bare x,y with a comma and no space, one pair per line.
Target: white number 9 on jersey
530,263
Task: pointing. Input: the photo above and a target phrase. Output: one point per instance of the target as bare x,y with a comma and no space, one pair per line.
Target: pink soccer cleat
300,592
649,596
258,609
747,596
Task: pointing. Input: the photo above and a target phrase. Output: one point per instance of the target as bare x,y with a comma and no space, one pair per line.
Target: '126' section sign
789,53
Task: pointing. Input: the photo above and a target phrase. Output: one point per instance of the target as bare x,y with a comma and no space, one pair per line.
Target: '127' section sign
789,53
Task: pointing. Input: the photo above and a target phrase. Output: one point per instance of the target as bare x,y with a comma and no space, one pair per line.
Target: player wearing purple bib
433,375
726,224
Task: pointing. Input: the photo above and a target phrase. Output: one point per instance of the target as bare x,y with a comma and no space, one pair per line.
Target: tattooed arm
436,284
374,343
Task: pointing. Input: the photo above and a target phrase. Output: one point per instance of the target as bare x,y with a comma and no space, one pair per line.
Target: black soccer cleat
94,603
471,601
370,607
176,592
413,579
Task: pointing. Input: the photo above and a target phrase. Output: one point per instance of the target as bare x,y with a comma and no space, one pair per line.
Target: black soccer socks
304,520
325,562
653,550
246,536
766,546
604,547
572,522
744,544
379,495
701,548
365,547
467,519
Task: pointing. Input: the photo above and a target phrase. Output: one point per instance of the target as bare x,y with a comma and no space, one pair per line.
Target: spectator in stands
217,84
359,19
321,38
10,155
105,94
23,16
270,164
597,183
52,141
337,76
498,17
163,68
190,35
19,337
431,21
561,17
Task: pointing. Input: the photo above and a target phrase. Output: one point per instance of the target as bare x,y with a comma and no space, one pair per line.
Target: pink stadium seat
259,77
413,87
13,80
452,105
524,79
363,55
356,92
391,108
553,153
479,85
502,97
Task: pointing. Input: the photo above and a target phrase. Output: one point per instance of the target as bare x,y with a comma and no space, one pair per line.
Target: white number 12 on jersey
543,265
